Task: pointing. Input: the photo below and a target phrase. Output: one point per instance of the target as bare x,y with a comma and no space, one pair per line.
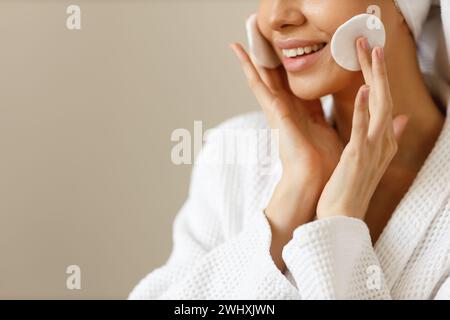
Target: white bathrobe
222,237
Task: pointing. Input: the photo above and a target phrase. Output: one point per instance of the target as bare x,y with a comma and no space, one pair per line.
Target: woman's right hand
309,150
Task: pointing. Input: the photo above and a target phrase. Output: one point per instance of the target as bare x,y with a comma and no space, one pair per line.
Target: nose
285,14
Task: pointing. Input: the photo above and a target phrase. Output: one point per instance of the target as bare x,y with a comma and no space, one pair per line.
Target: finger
270,77
381,108
365,59
258,87
278,83
283,77
399,125
360,122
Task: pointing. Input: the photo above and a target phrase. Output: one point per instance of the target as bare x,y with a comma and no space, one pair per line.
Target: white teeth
292,53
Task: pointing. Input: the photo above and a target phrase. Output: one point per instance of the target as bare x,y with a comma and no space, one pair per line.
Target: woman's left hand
372,146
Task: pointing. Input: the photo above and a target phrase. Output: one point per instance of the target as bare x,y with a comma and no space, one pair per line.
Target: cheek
263,13
324,17
327,77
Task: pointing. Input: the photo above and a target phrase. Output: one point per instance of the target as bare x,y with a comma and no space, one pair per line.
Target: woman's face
293,24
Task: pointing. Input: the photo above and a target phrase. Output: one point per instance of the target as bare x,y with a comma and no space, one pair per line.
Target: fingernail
364,43
233,47
365,91
404,124
380,53
406,121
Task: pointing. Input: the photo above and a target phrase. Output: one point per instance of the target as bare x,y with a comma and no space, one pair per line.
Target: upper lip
295,43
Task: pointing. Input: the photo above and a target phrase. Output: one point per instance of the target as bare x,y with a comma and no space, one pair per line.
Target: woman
359,205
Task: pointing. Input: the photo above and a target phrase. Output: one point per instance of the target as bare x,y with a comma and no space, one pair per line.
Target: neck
411,97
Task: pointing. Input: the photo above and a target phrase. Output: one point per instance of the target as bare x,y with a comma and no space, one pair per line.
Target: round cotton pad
343,43
260,49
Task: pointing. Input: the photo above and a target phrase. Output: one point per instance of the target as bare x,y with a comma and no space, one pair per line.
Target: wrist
293,203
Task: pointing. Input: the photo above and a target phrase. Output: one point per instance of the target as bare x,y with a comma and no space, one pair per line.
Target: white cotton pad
260,49
343,44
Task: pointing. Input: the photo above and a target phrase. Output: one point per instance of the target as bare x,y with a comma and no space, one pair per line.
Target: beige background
85,124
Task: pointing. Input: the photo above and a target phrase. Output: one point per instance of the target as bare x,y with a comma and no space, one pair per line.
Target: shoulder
238,164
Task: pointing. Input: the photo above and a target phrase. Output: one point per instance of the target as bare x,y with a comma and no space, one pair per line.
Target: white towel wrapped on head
415,13
433,49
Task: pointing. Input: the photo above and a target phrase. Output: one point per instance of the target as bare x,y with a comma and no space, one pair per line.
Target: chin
315,85
310,89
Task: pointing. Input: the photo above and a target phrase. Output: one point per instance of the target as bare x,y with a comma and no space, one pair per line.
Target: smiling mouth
303,51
